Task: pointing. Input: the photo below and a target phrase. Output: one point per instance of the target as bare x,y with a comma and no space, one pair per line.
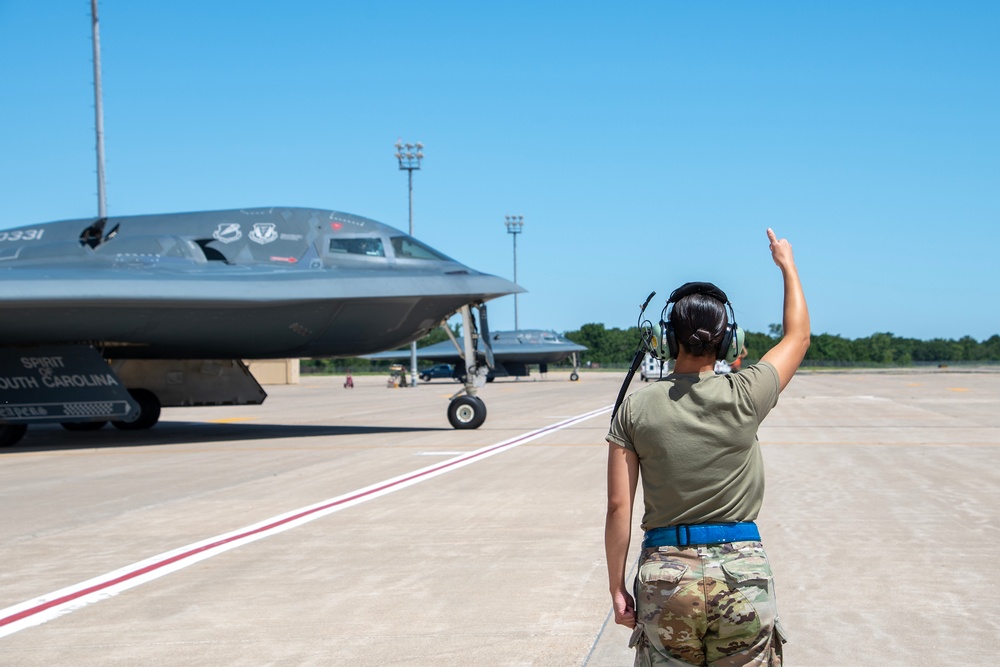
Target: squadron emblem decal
228,232
263,232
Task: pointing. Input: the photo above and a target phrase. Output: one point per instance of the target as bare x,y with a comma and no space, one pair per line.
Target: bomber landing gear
11,434
574,376
149,411
467,412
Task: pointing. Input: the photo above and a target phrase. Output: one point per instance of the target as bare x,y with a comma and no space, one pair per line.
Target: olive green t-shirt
696,439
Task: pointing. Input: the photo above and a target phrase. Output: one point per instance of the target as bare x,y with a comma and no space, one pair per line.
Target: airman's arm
623,477
791,349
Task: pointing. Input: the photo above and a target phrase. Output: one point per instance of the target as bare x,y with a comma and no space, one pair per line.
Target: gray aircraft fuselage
240,284
525,346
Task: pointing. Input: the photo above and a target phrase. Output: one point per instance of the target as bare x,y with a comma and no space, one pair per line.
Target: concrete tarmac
881,515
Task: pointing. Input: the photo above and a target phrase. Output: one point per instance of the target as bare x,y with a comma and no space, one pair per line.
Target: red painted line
340,501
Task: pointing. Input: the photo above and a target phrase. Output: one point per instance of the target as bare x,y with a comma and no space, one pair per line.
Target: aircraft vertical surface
171,298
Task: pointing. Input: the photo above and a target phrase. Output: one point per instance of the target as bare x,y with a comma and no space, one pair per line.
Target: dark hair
699,323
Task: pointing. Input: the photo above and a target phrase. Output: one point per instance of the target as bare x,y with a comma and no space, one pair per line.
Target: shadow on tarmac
54,437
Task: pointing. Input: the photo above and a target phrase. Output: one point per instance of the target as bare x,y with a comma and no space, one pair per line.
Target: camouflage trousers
707,605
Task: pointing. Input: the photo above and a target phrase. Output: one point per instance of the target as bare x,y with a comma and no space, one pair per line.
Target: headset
660,341
664,343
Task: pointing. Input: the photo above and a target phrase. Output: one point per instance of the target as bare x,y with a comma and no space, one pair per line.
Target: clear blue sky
645,143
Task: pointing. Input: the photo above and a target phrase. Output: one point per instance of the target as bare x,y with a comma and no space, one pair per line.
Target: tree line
615,347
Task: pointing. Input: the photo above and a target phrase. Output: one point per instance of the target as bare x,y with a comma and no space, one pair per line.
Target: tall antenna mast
102,206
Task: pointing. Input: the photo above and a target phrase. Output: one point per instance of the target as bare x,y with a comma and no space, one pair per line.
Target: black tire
466,412
83,426
149,411
574,376
11,434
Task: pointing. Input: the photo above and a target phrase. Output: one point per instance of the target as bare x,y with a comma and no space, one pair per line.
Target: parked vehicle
651,368
438,371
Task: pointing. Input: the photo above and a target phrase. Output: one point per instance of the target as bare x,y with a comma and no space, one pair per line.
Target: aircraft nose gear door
467,410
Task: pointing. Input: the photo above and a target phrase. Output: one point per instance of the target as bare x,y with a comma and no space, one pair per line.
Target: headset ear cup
669,340
658,344
738,338
655,348
725,344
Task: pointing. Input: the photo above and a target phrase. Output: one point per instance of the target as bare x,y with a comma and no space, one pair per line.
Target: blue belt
701,533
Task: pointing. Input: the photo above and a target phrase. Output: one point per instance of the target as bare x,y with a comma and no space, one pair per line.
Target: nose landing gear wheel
467,412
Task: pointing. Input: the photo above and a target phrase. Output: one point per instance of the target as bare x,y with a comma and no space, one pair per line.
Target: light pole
102,206
514,225
409,156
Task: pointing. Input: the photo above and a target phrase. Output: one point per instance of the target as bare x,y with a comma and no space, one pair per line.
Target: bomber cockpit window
407,247
369,247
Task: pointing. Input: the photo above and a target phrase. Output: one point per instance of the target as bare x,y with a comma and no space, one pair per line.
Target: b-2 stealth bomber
110,319
513,352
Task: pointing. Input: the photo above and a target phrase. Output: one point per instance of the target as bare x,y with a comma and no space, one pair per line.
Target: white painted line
63,601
